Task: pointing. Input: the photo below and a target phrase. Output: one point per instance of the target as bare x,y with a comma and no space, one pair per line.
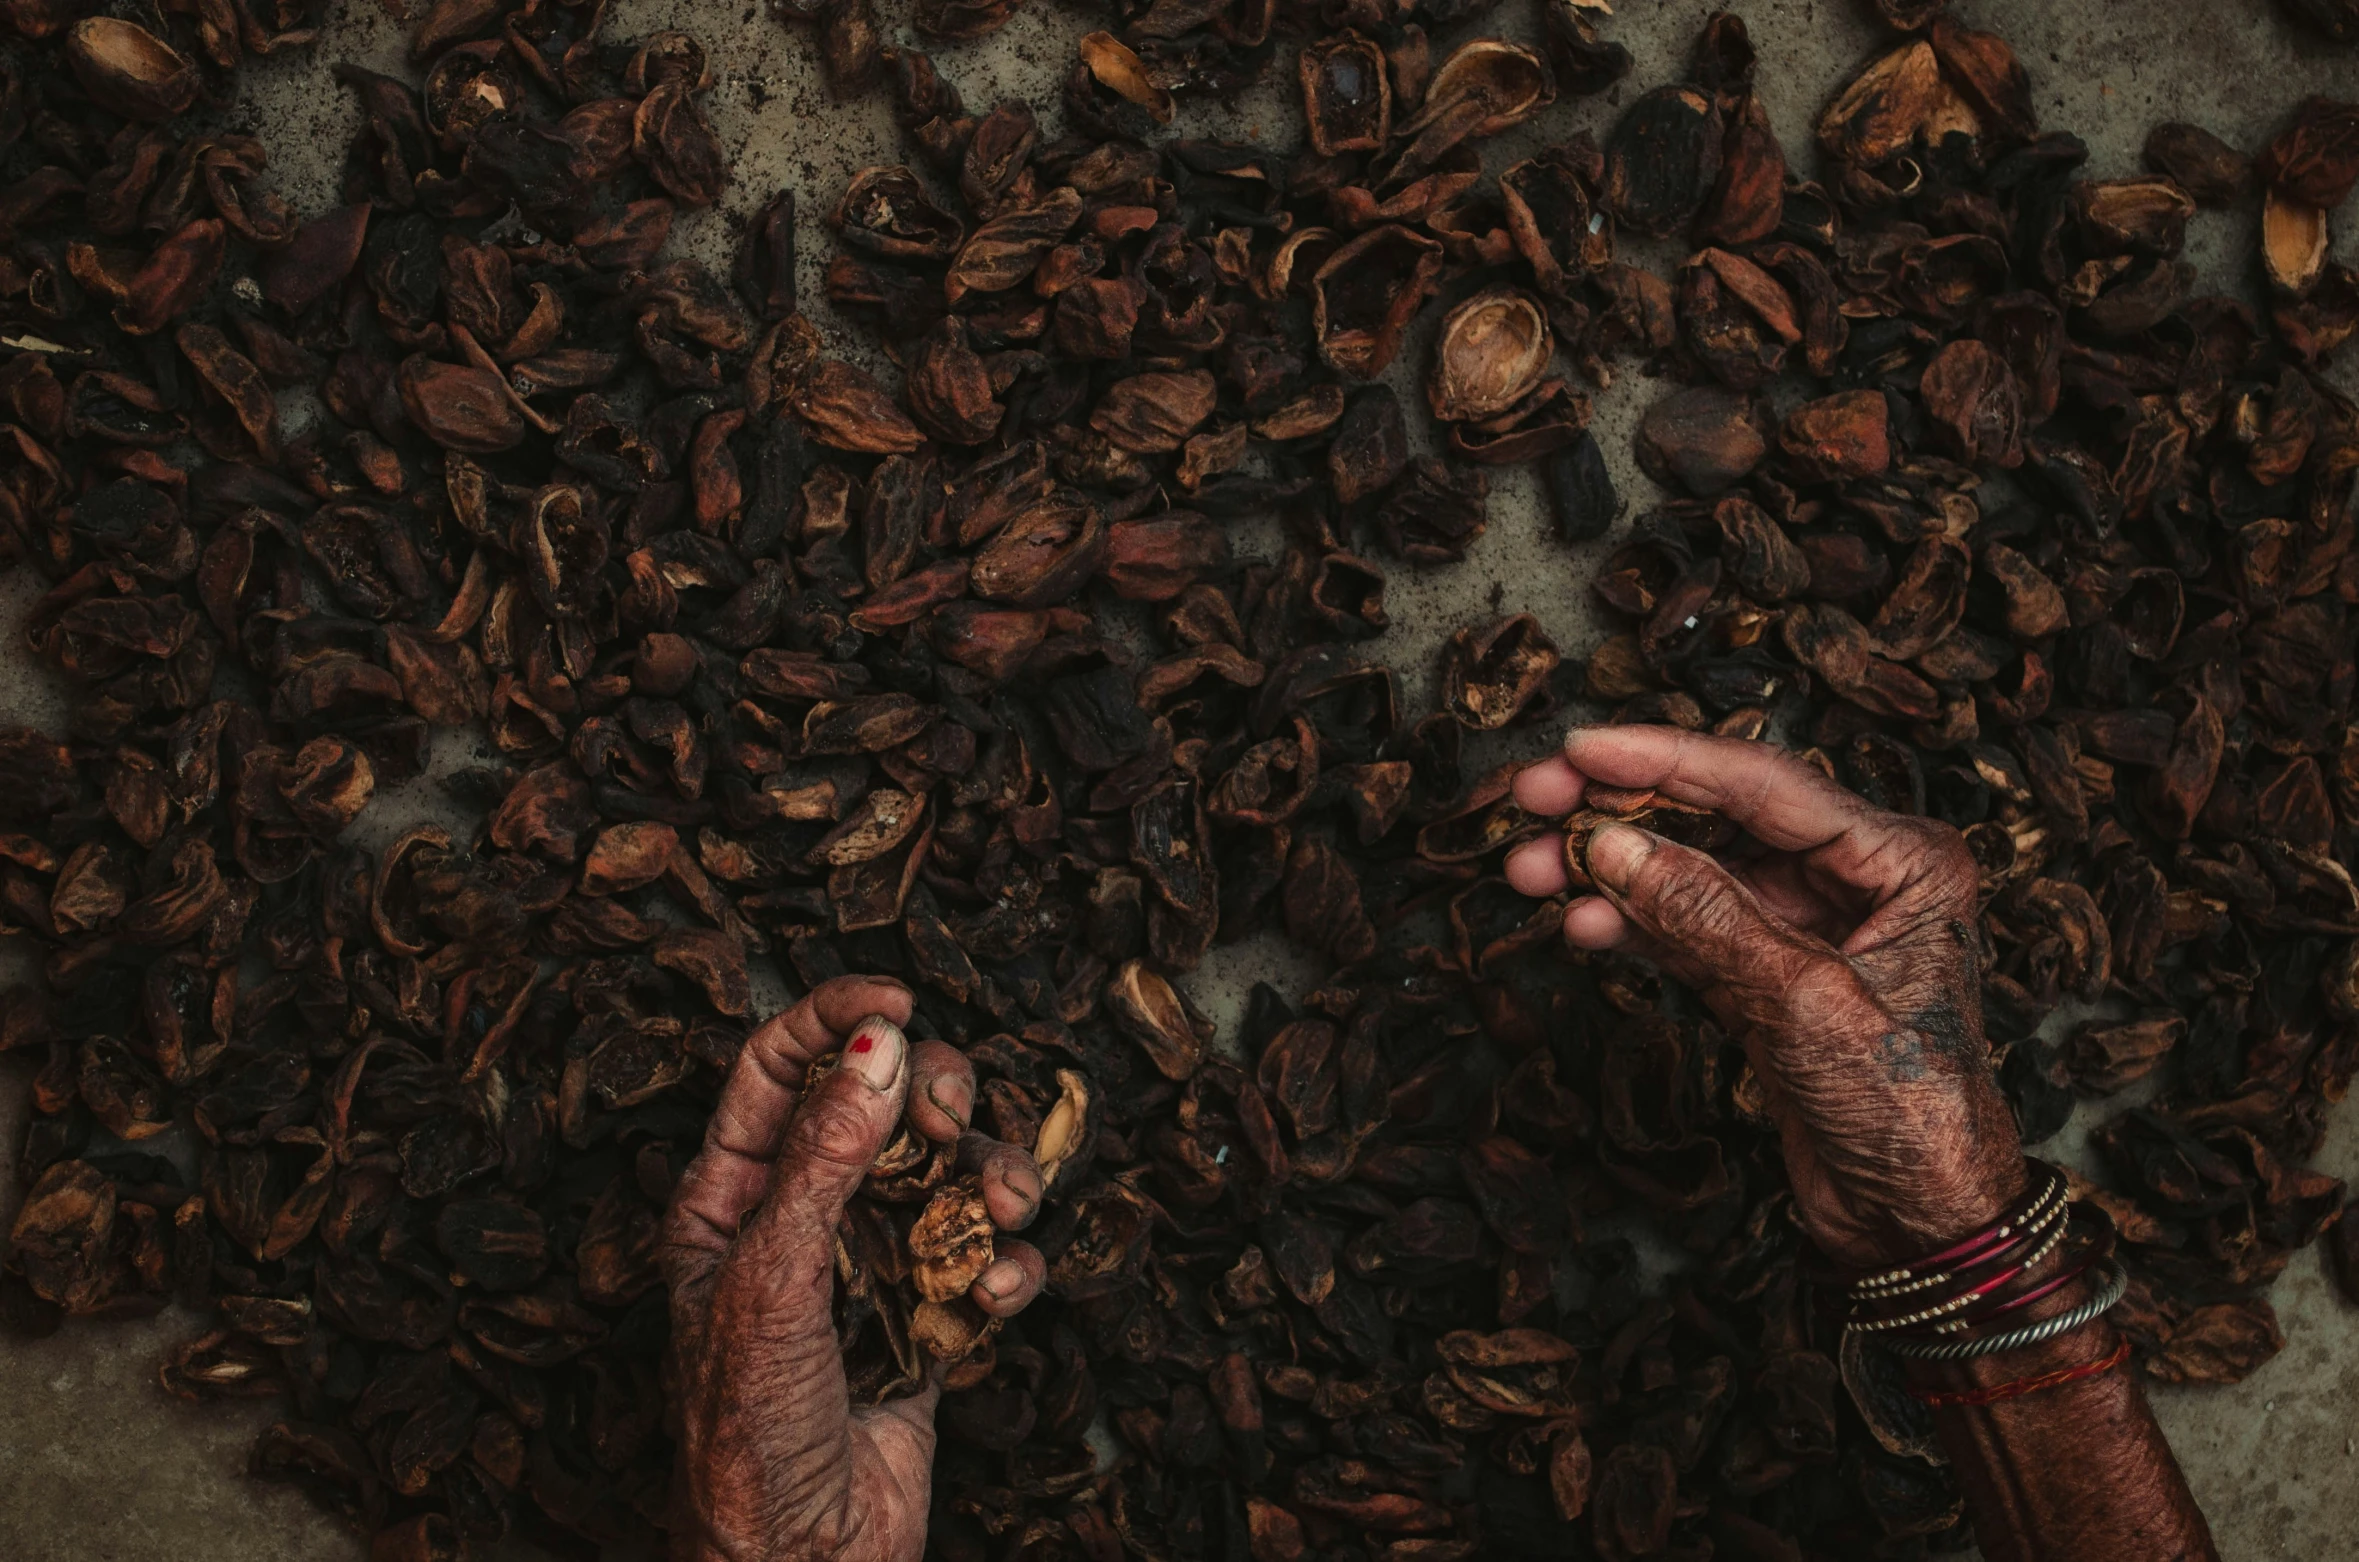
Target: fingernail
934,1094
875,1052
1026,1184
1615,852
1002,1280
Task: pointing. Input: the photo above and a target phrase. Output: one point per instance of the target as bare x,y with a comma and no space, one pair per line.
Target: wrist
2030,1278
1895,1227
694,1537
1958,1202
1953,1171
2091,1342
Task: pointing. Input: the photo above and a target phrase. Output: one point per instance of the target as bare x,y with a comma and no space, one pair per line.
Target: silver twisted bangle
2113,1283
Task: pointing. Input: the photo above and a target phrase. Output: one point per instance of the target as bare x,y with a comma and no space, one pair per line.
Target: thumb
902,1432
1701,923
834,1139
773,1383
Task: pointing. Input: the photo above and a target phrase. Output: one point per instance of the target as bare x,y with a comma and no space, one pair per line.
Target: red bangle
1948,1299
1978,1249
2022,1386
2096,1253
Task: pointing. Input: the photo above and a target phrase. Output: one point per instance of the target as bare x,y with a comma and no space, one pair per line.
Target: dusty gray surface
97,1465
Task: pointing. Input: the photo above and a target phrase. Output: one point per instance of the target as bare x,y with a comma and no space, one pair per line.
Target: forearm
1843,954
2072,1472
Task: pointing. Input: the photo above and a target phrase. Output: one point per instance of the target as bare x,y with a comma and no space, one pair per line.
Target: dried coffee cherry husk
1346,94
1491,676
951,1241
887,212
129,70
1491,352
1113,93
2294,243
1554,216
1663,159
2314,158
1486,86
1680,823
1365,294
1702,439
1581,493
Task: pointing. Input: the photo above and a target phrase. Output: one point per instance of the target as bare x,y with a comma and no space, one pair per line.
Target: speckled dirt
97,1465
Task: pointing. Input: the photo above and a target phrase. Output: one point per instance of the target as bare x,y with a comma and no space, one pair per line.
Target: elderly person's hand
1838,944
774,1462
1839,947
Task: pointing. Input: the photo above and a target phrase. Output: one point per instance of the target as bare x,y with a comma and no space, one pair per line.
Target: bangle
1926,1273
2022,1386
2089,1258
2025,1251
2110,1289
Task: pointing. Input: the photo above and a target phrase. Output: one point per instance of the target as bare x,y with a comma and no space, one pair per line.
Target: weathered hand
775,1464
1839,948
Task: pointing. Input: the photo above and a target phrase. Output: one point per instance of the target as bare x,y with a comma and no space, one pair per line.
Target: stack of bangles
1955,1305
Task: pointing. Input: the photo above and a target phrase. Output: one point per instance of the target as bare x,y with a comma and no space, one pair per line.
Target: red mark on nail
862,1042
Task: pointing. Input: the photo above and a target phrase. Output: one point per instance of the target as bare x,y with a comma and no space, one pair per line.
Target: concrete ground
98,1465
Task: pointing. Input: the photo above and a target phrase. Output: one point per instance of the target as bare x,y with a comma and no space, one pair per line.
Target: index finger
1767,792
1548,787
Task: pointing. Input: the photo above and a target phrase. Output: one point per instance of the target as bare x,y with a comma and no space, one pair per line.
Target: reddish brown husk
1674,821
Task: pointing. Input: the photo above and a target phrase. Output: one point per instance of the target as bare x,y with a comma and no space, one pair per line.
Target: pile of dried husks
1975,495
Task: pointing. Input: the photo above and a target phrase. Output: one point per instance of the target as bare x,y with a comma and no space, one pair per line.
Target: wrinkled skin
775,1465
1839,949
